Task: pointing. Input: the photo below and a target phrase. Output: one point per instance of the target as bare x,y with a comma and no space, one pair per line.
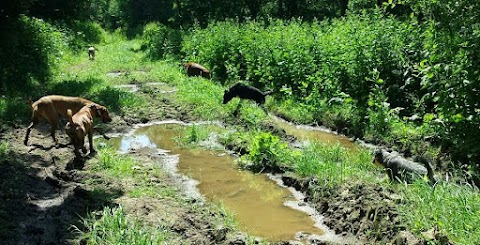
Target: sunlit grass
149,190
4,150
291,110
452,209
115,227
115,163
202,96
332,163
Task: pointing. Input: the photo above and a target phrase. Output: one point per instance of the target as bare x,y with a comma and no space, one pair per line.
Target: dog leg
32,124
90,141
52,132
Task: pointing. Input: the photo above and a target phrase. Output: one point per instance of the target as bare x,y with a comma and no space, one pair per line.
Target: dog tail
268,92
30,102
69,116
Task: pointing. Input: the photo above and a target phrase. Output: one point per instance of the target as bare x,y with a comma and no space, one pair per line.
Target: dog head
101,112
227,96
379,157
76,134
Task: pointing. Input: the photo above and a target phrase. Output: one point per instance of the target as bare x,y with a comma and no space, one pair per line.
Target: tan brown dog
51,106
194,69
80,125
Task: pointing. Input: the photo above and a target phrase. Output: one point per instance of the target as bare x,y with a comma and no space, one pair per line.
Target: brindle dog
401,169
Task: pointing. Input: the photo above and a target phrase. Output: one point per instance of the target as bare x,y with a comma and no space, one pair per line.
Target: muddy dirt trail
45,193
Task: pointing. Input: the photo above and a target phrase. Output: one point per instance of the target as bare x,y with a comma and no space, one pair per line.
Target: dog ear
96,109
99,111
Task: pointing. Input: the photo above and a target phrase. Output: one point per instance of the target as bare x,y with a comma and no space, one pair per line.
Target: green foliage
83,34
30,50
161,41
206,102
302,59
116,164
379,114
61,10
449,208
332,163
115,227
266,151
14,109
292,110
194,134
4,150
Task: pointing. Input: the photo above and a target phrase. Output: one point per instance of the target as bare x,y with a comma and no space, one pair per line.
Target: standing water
257,202
310,133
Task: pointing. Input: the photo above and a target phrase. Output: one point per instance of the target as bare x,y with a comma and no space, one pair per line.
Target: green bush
161,41
266,151
30,51
83,34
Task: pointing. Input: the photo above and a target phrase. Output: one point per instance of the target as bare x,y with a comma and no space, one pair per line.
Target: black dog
243,91
401,169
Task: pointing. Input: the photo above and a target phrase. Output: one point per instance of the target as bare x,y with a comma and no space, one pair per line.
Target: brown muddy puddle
310,133
258,202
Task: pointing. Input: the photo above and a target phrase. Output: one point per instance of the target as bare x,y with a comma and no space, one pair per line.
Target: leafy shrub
160,40
266,151
30,51
83,34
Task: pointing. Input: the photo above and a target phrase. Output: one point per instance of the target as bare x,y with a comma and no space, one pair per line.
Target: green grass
291,110
4,150
114,163
115,227
332,163
452,209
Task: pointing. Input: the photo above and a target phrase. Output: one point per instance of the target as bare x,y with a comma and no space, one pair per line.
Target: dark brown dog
51,106
80,125
194,69
244,91
401,169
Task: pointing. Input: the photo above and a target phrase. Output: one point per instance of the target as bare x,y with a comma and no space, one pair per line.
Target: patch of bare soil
41,195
